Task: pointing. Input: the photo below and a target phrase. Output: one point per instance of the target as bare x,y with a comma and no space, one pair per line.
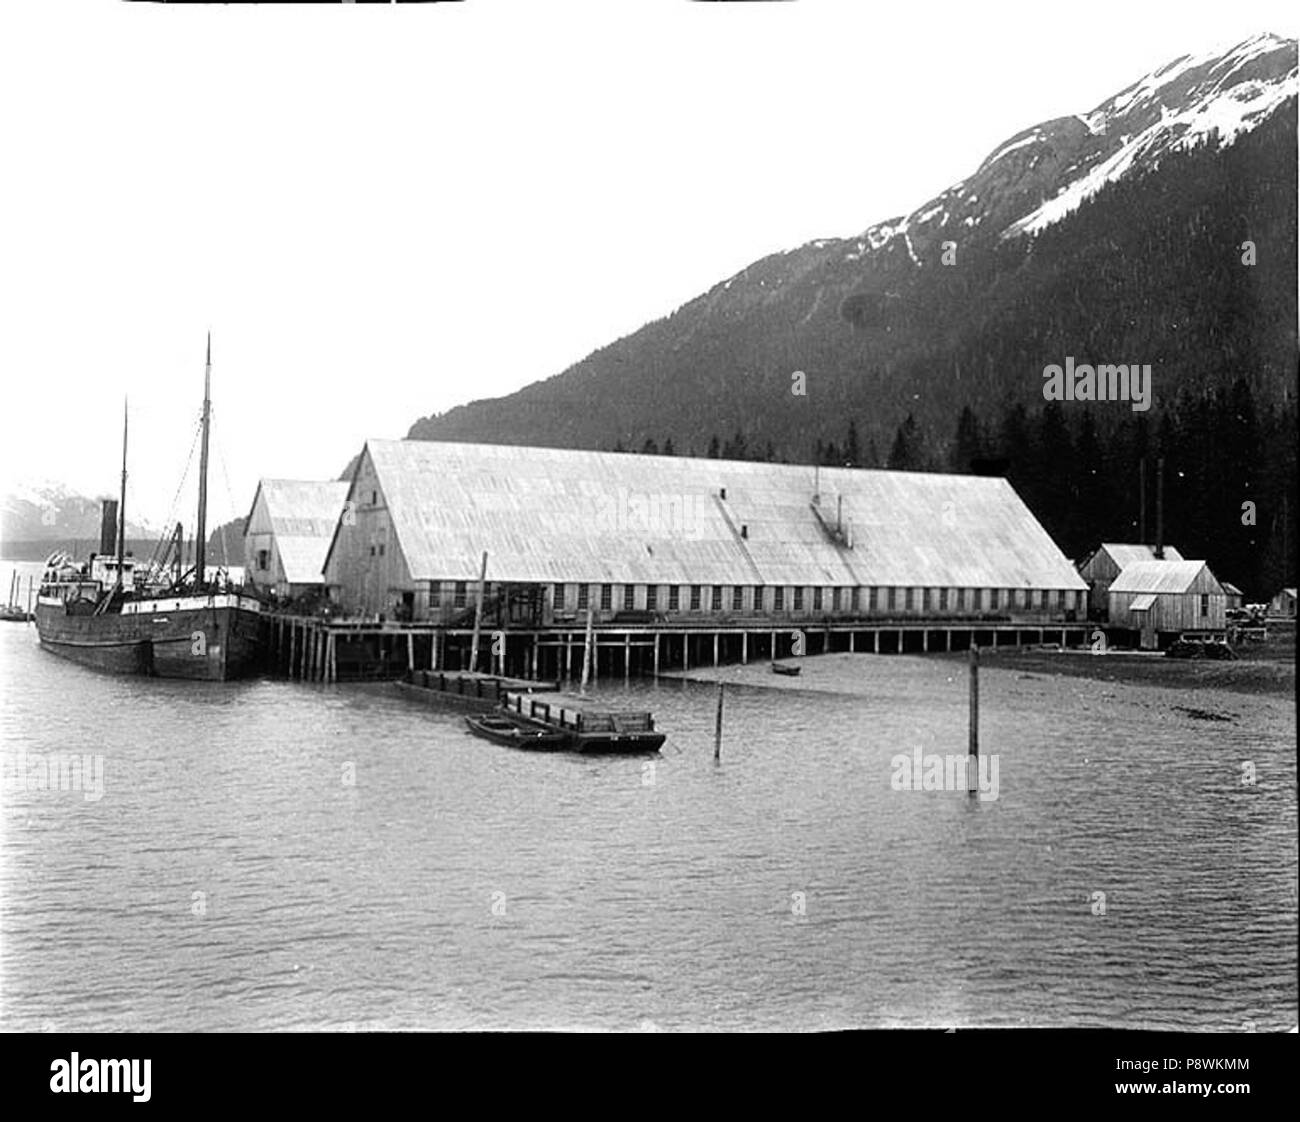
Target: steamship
111,613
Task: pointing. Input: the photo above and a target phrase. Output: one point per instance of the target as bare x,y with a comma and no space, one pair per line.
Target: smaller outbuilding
1283,604
1236,598
1161,600
288,532
1107,561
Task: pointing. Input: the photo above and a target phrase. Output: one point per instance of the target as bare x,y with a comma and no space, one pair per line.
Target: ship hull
204,639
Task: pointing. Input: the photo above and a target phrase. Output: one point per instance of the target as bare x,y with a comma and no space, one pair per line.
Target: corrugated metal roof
547,514
1125,555
303,515
1162,576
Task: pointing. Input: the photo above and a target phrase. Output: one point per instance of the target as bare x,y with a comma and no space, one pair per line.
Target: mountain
38,516
1117,235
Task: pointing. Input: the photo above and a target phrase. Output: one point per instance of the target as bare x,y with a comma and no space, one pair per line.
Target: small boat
14,614
516,732
785,668
589,725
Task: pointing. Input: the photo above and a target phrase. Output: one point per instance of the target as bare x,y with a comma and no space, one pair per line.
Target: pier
330,650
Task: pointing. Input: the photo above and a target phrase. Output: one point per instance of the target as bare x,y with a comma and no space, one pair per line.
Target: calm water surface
457,884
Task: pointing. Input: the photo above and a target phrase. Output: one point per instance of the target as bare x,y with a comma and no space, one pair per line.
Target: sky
383,212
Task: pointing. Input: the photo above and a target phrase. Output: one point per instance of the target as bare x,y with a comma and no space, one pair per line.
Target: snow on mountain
1040,175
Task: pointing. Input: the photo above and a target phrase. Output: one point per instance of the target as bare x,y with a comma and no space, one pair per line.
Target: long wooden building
683,541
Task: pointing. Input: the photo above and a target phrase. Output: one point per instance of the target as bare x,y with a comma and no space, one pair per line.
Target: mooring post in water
973,758
478,615
717,727
586,649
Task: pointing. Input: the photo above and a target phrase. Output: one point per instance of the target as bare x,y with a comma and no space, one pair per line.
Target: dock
314,649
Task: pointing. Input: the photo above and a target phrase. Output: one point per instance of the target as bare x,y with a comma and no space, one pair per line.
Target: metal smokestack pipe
1142,501
108,528
1160,509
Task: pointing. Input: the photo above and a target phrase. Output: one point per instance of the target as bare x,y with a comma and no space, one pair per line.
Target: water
457,884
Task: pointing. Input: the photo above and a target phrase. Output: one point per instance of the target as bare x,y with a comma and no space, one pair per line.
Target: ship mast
121,506
201,544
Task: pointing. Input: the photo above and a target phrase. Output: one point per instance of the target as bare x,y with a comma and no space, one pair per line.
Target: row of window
779,598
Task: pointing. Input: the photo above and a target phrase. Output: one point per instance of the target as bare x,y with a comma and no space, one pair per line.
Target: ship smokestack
108,528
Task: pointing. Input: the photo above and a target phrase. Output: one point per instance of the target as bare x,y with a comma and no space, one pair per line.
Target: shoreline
1268,670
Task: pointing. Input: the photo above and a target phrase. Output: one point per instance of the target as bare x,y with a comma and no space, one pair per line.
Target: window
892,598
381,549
372,551
629,597
778,598
758,597
460,594
943,599
606,597
584,597
855,598
559,598
695,597
993,597
651,597
1205,603
909,599
674,597
737,599
263,559
817,599
961,599
374,498
435,594
717,598
798,598
925,599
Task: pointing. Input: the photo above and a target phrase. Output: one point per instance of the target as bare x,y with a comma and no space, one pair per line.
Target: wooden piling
973,751
478,613
586,648
656,663
717,726
627,655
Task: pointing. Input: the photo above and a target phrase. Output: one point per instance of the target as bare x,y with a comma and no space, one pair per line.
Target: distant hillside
36,518
1115,236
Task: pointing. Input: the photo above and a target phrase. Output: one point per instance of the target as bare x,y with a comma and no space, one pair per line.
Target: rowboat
786,669
516,732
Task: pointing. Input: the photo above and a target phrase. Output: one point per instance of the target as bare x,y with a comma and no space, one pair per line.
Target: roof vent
744,532
722,493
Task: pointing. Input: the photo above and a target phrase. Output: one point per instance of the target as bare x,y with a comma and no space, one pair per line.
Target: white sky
382,212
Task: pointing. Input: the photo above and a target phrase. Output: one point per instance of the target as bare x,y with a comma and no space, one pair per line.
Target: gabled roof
303,515
549,514
1125,554
1163,576
1231,589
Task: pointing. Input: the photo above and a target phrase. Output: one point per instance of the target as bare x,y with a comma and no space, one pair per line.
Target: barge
589,725
465,689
